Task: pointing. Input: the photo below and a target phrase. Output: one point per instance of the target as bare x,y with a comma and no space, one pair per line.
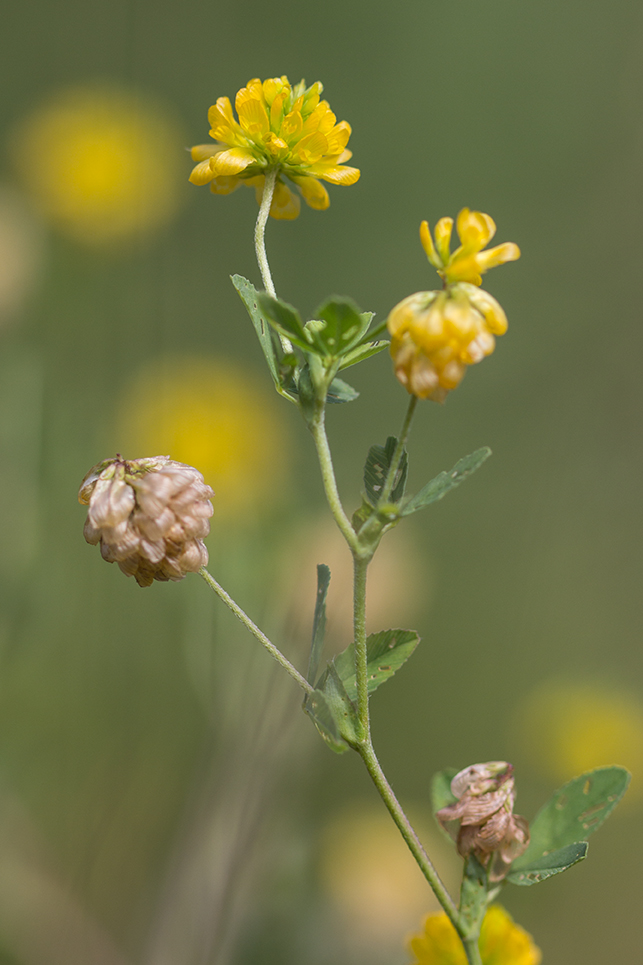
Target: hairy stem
408,833
260,230
270,179
360,567
399,449
472,951
318,430
255,631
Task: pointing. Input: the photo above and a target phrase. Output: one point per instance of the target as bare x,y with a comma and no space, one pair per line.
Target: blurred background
162,799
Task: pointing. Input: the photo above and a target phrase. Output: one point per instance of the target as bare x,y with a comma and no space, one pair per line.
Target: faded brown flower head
149,516
482,820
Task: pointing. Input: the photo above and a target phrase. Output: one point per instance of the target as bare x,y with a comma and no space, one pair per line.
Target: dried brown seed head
482,819
149,515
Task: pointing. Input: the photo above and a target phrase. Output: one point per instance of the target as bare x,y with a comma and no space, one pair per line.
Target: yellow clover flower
435,335
279,125
502,942
468,262
97,184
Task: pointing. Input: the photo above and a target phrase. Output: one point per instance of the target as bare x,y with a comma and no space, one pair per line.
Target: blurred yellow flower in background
103,165
502,942
373,881
569,728
279,126
208,413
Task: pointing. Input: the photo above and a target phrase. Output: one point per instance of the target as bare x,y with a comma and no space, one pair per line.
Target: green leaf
319,621
340,391
285,319
318,709
362,352
473,895
344,325
386,652
249,296
573,813
376,470
446,481
548,864
360,515
441,795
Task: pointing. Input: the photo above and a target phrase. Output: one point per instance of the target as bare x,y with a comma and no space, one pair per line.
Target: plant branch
407,831
360,567
270,179
255,631
318,430
472,951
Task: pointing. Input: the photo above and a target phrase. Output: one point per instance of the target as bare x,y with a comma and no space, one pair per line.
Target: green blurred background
162,799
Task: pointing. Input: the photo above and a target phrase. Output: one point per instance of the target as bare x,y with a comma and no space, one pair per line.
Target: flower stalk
255,631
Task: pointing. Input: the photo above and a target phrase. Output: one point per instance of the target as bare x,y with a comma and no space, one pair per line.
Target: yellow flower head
84,157
502,942
436,335
468,262
279,126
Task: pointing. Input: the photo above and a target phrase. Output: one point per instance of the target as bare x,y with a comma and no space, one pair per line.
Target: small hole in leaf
384,667
586,786
561,802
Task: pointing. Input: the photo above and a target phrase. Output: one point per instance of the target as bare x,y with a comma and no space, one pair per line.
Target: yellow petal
475,229
344,156
427,243
277,110
342,174
497,256
231,162
253,116
338,137
276,147
292,126
315,118
224,185
202,151
202,173
327,119
222,110
285,204
443,230
311,97
222,122
310,149
314,193
491,309
463,267
270,89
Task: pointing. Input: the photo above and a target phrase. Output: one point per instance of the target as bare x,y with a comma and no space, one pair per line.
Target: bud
436,335
149,516
487,827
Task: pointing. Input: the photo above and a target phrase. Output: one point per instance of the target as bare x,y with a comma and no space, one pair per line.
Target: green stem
255,631
399,449
318,430
360,567
408,833
472,951
270,179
